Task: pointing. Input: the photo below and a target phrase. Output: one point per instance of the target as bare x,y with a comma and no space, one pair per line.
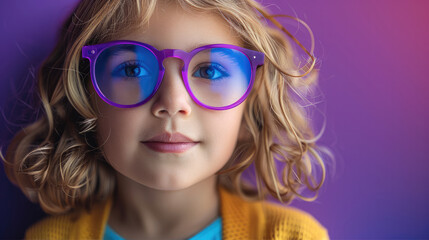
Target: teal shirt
211,232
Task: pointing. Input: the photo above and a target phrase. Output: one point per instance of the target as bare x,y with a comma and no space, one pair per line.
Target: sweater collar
235,214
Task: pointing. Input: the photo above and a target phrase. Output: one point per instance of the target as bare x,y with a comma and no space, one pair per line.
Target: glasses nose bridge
174,53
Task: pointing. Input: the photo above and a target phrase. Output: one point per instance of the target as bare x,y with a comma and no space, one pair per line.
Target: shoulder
52,227
78,225
292,222
266,220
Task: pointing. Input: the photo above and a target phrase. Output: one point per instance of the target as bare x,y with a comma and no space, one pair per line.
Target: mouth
170,147
170,143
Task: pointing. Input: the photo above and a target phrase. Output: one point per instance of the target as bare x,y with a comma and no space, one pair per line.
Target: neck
142,212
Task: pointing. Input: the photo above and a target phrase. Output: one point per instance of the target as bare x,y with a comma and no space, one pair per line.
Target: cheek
117,133
221,136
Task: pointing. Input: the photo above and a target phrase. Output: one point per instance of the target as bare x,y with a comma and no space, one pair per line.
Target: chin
169,187
170,183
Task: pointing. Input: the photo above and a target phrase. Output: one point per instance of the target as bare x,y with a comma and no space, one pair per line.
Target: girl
153,109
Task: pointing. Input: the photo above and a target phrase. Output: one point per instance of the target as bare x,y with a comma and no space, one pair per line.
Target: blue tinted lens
126,74
219,77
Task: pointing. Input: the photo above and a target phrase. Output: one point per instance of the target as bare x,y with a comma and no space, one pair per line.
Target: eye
130,70
212,71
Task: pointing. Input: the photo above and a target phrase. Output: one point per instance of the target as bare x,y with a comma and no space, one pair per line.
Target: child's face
122,131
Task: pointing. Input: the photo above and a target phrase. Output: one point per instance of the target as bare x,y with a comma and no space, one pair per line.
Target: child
153,109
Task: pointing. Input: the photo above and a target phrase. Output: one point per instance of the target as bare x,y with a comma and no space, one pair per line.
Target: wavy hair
57,161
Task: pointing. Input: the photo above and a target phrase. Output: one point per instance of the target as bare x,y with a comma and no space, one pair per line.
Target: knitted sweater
241,219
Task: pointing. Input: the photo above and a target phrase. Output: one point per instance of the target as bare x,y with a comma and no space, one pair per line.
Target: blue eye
130,70
211,71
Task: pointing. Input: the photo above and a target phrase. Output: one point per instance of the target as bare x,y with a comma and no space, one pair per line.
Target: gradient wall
373,57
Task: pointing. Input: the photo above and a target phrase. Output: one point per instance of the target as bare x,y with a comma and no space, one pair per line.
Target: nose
171,98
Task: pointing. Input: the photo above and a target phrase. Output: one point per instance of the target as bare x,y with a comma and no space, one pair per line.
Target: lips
171,138
170,143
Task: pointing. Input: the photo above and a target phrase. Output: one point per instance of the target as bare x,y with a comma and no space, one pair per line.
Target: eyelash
217,66
118,70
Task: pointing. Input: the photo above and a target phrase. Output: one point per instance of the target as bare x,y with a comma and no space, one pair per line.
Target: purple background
373,55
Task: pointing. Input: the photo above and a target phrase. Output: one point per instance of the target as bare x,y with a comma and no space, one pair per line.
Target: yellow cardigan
241,219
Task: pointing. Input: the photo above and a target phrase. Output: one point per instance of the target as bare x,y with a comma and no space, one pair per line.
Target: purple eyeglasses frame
92,52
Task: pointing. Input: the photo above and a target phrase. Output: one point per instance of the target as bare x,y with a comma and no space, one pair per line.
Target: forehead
171,26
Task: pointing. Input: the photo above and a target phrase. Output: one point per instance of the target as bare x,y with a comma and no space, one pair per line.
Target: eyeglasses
127,73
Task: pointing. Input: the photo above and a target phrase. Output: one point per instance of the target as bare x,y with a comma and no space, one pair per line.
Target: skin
169,195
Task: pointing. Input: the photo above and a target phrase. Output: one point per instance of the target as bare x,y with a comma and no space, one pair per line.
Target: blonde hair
57,162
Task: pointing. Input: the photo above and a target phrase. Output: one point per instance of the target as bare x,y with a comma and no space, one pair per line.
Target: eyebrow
197,45
193,46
